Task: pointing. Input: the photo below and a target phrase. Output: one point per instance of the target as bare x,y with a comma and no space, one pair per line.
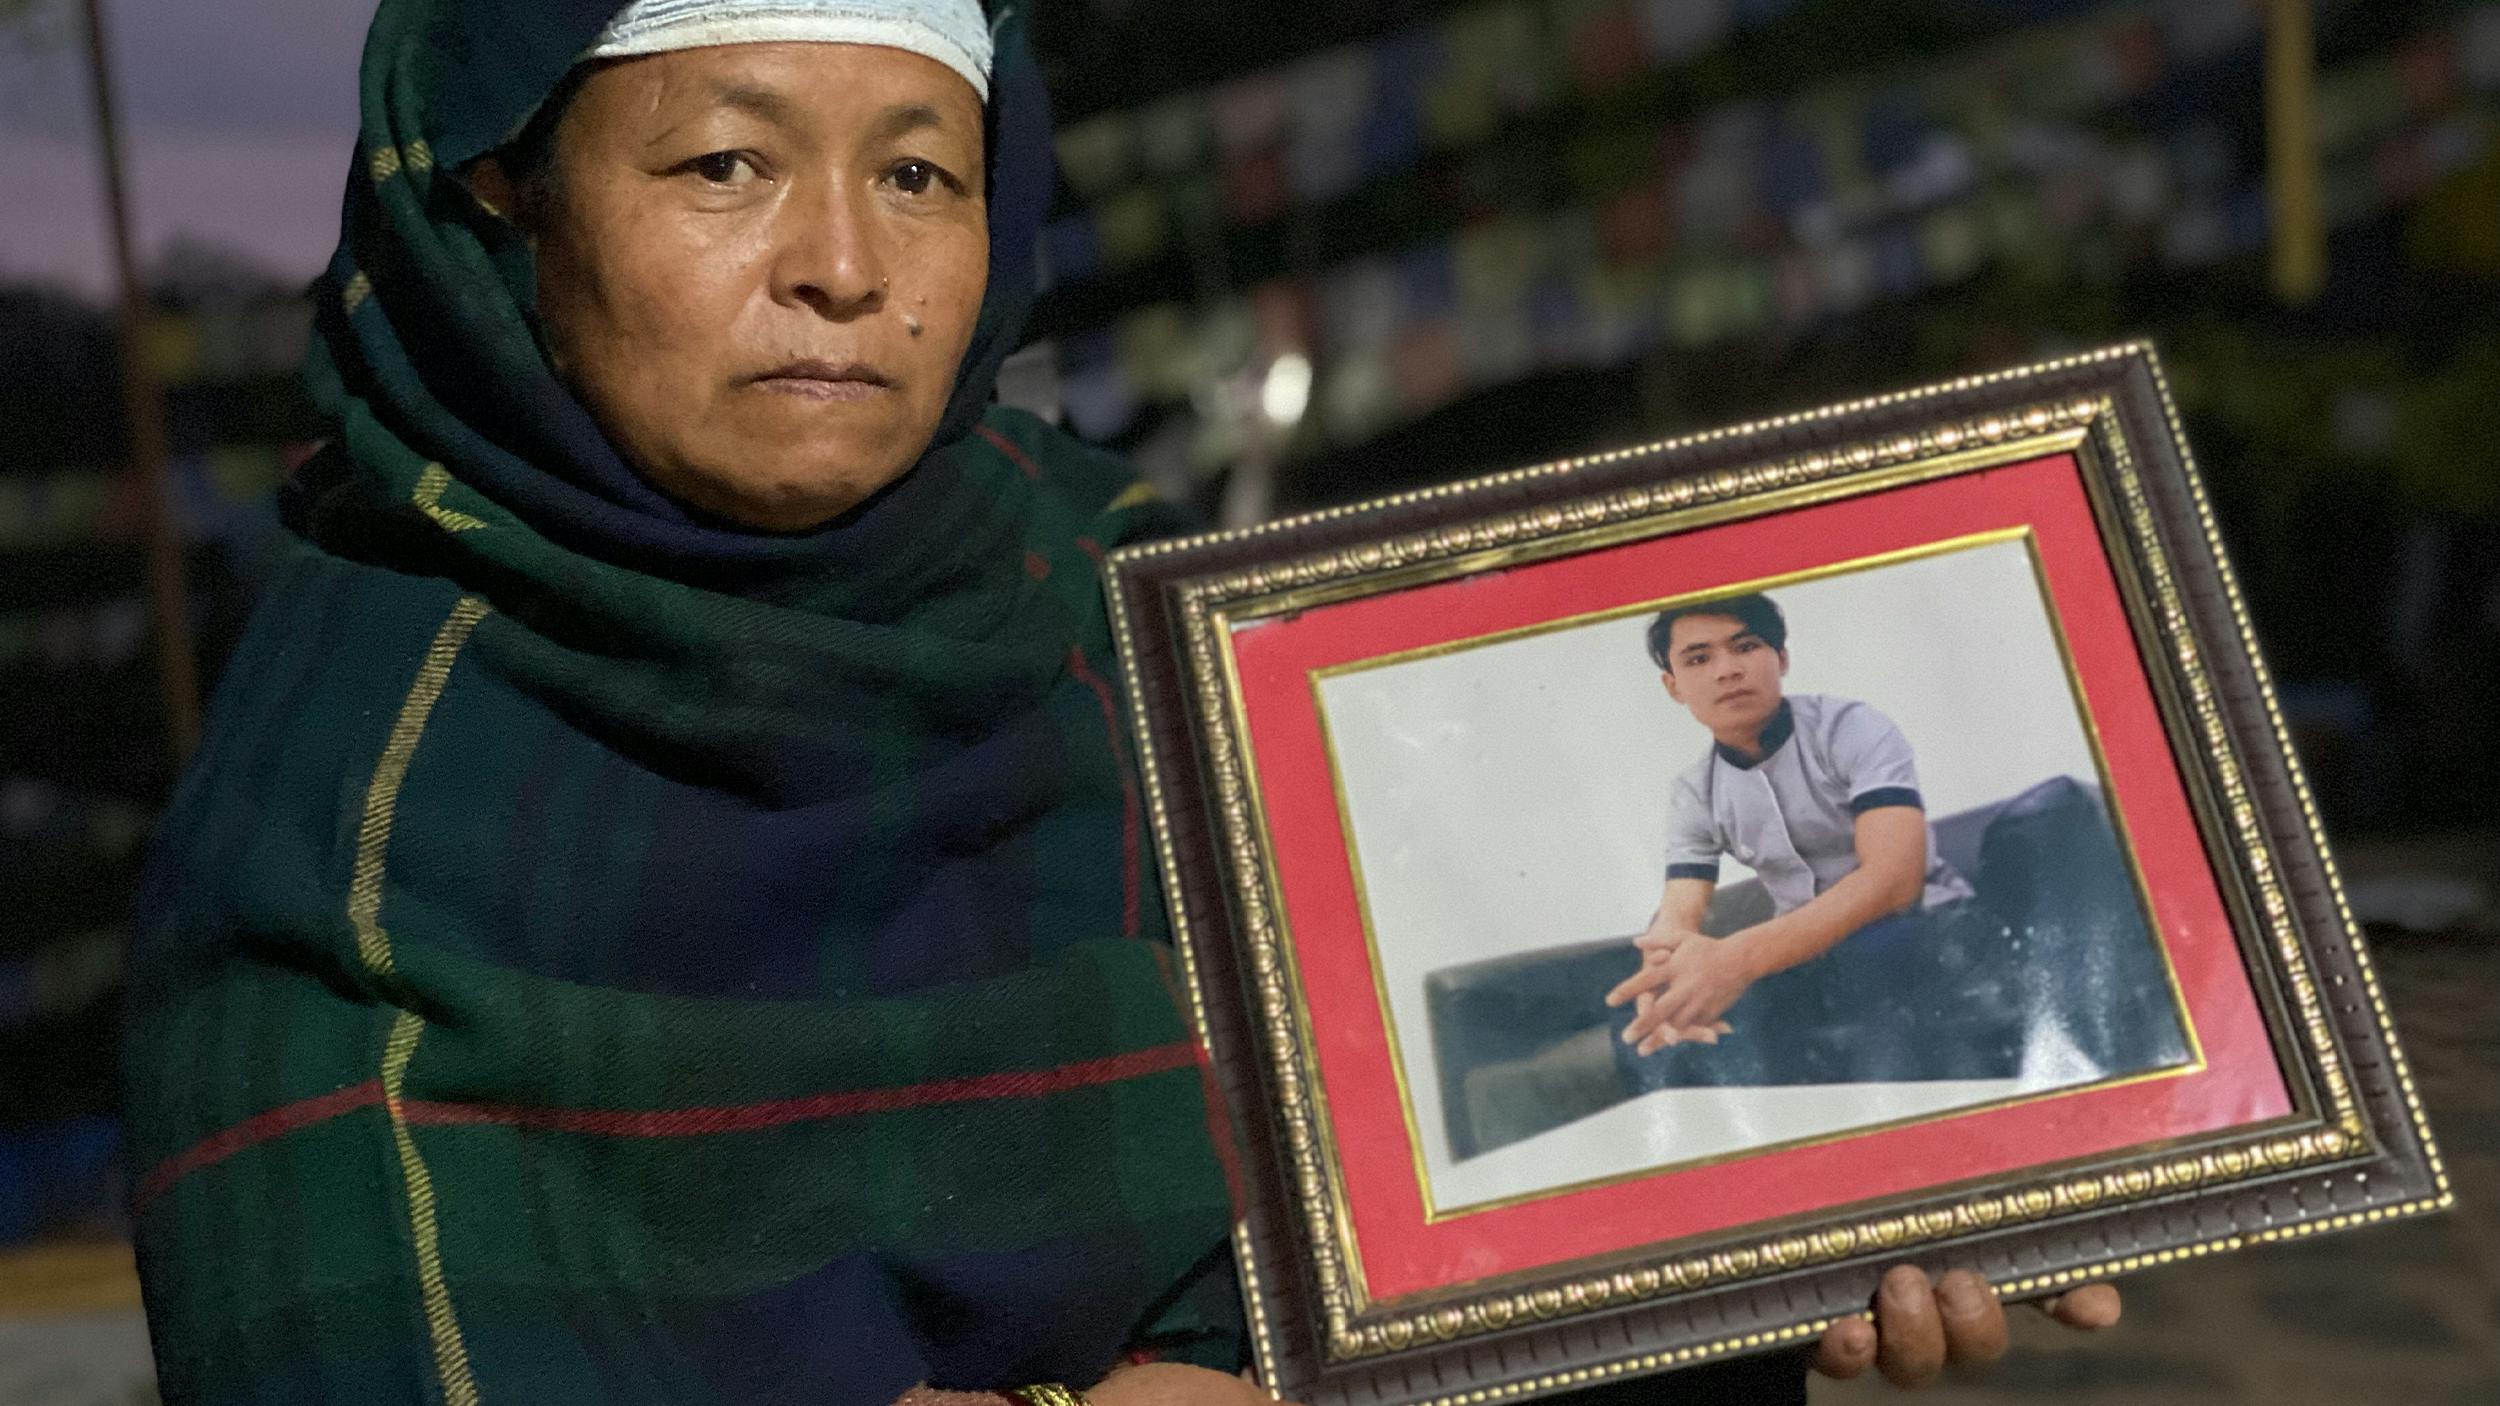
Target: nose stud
911,324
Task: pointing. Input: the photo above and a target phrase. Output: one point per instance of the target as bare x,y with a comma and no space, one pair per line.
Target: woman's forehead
855,90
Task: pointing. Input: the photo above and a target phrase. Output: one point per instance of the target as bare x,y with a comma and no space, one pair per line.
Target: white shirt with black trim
1792,816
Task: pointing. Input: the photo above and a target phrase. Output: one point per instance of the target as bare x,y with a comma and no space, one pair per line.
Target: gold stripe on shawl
373,945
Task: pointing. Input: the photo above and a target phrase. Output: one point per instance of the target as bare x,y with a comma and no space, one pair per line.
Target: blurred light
1287,392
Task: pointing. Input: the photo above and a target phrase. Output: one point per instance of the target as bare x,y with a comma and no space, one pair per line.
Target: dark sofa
1525,1043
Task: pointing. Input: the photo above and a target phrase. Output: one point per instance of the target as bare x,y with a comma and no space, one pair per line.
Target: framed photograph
1630,902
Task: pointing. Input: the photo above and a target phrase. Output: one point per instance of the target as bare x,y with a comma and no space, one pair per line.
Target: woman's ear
491,186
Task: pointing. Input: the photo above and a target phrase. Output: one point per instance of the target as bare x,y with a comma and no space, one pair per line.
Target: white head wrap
952,32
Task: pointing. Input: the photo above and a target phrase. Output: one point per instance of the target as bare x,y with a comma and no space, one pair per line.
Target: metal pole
144,409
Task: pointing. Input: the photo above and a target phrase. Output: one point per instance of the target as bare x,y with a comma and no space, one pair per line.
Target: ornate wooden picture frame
1409,770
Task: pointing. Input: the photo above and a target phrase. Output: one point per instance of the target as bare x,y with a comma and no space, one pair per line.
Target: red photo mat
1402,1253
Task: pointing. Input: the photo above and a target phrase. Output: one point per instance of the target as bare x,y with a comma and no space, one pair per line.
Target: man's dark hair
1756,611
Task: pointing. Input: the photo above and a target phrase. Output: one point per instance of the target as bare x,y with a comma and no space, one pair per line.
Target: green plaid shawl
600,956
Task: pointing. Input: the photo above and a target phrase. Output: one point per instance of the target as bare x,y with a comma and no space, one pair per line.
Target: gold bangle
1050,1394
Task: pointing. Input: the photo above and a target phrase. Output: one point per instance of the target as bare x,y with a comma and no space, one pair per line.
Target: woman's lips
825,380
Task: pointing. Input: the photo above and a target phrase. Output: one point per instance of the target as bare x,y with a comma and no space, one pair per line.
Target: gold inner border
1434,1212
1344,1338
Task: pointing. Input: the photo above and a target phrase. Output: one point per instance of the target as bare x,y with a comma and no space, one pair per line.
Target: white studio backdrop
1513,797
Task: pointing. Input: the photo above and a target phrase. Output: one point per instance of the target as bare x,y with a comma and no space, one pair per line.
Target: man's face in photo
1728,675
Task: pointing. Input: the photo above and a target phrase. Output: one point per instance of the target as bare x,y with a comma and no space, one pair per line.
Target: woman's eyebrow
766,103
908,117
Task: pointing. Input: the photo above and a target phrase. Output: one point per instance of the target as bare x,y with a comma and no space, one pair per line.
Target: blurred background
1310,253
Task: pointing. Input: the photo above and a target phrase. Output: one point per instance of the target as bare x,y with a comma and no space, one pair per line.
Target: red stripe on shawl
1132,822
780,1112
1014,452
259,1128
670,1122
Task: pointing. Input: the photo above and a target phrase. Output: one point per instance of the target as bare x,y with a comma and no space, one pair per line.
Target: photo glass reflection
1740,869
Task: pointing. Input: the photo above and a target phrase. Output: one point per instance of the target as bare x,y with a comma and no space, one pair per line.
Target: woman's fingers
1169,1384
1920,1326
1909,1331
1846,1350
2091,1308
1974,1321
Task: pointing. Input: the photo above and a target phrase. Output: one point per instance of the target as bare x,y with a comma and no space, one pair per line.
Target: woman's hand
1920,1326
1169,1384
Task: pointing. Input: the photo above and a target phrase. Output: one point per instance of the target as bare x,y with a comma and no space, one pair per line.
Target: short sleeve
1692,838
1873,760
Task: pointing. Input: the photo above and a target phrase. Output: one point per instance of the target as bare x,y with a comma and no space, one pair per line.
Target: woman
660,914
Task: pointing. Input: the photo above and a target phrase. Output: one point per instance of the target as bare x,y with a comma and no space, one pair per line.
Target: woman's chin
768,505
759,483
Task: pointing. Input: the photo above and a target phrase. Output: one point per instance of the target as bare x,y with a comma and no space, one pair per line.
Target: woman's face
760,266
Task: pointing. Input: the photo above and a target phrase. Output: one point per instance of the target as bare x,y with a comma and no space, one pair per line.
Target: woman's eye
723,168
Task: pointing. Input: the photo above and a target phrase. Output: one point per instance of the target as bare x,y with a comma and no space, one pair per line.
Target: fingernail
1961,1293
1902,1285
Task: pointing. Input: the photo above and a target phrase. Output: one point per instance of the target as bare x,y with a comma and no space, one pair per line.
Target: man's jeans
1916,996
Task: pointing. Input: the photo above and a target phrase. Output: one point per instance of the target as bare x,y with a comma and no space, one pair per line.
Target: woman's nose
831,257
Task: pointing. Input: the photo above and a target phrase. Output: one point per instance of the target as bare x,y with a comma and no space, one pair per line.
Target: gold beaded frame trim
2333,1128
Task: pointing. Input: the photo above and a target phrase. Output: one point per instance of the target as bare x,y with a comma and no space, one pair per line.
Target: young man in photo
1877,961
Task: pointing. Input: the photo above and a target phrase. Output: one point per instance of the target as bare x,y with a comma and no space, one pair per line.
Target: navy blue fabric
1883,796
746,1353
